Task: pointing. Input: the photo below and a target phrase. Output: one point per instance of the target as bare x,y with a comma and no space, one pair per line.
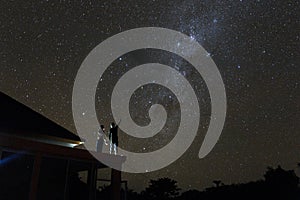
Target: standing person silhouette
100,138
113,137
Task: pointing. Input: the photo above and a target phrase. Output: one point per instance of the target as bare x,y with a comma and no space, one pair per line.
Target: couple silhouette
113,138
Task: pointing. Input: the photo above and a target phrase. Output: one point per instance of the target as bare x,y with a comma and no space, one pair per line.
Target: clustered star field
255,45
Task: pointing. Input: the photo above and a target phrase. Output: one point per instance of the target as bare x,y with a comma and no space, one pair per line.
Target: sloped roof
16,118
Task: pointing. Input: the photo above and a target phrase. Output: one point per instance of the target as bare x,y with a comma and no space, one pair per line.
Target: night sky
255,45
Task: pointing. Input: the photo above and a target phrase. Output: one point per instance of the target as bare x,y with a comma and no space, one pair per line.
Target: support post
35,176
115,185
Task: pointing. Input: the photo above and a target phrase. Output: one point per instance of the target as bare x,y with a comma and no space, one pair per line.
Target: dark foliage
277,184
161,189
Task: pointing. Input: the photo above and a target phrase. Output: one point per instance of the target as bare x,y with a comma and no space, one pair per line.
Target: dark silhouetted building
39,159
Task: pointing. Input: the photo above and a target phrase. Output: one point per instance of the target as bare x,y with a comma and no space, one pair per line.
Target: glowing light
10,158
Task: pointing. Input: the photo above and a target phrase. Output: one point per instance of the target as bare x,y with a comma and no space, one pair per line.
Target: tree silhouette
161,189
217,183
279,177
190,195
277,184
280,182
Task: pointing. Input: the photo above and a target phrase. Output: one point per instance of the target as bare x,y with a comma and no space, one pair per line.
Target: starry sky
255,45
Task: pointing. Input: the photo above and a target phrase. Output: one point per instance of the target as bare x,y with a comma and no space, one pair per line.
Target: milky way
255,45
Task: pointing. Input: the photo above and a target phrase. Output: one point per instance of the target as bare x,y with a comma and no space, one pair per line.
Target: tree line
277,183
